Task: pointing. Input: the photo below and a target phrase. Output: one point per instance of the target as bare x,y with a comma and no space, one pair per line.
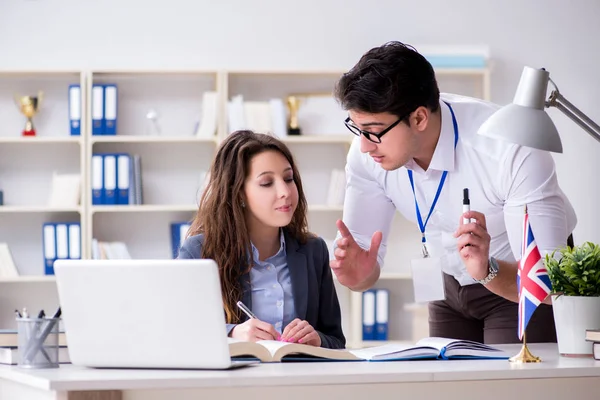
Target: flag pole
524,355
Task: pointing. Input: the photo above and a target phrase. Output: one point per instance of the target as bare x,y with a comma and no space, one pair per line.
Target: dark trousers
472,312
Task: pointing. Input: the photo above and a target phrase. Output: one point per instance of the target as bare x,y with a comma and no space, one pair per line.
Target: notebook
143,314
433,348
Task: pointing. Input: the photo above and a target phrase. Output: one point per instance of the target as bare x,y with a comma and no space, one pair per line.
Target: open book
433,348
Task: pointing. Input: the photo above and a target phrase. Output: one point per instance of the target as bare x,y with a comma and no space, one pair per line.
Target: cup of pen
38,342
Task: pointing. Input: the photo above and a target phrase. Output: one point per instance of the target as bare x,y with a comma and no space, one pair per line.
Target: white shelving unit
26,168
173,164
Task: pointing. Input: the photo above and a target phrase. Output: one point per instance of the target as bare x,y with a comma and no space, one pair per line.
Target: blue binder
110,109
49,245
368,315
381,314
75,109
123,178
98,110
178,232
110,179
97,179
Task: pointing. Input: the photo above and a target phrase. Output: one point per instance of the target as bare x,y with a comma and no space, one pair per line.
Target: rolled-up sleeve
529,179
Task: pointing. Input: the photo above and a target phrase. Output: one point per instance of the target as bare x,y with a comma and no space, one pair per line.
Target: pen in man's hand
246,310
466,205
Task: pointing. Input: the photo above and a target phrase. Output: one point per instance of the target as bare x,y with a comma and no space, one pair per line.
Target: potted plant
575,277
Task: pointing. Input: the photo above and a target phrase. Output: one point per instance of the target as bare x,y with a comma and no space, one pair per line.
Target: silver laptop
143,314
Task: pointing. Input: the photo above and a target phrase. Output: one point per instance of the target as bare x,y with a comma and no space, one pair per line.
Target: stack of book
593,335
9,352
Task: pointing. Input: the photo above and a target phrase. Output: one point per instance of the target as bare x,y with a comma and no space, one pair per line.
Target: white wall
558,35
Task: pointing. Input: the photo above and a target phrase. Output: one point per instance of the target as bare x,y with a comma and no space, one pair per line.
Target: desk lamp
525,122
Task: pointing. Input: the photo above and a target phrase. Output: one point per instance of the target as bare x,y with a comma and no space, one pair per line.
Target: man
415,153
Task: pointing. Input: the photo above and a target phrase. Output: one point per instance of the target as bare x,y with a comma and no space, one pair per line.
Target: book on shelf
109,250
10,355
9,338
432,348
592,335
66,190
7,265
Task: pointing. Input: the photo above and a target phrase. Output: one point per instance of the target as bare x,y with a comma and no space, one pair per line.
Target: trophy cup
29,106
293,104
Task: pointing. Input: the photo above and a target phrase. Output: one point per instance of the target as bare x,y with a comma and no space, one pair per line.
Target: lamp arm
558,100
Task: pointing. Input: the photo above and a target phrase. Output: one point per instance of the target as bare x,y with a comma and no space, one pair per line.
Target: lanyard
437,194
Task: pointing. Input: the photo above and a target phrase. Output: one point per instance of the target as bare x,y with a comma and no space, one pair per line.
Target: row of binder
104,109
61,240
375,313
179,231
116,179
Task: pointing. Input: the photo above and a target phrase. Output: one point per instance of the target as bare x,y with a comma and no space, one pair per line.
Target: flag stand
524,355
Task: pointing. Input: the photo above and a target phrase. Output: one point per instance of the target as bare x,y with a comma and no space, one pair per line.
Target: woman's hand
254,330
302,332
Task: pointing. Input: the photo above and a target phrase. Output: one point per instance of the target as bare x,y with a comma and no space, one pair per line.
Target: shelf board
325,208
319,139
28,279
144,208
384,276
151,139
38,209
395,275
461,71
40,139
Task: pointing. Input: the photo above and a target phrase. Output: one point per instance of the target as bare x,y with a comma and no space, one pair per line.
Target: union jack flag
533,281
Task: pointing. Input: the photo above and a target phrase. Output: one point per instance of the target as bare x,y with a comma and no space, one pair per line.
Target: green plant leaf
577,272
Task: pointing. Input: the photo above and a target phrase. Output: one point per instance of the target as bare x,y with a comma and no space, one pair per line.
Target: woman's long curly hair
221,217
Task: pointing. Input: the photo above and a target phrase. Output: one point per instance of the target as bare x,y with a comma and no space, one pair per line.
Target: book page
396,351
462,348
282,349
240,348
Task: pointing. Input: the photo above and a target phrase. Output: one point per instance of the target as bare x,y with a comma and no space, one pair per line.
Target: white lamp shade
525,126
524,121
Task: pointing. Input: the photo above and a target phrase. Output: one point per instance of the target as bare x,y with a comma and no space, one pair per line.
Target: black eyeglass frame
373,137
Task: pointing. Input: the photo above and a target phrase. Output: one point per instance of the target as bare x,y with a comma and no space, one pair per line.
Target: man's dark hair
392,78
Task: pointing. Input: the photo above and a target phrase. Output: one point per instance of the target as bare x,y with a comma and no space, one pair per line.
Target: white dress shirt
501,177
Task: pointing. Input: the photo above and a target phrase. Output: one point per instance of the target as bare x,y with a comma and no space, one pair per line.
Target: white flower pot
572,316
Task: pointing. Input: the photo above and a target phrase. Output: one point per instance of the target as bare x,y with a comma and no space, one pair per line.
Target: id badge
428,279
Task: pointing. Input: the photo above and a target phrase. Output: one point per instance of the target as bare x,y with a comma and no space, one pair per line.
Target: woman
252,222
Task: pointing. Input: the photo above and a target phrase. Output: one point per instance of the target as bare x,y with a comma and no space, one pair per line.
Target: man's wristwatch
493,268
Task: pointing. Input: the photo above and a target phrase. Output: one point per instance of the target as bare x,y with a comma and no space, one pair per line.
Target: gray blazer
315,298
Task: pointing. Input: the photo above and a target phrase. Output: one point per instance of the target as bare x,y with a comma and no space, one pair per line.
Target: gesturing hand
302,332
474,244
352,264
254,330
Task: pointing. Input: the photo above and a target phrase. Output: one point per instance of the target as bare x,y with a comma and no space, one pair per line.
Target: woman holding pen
252,222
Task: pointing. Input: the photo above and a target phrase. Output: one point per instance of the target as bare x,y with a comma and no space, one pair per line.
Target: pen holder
38,342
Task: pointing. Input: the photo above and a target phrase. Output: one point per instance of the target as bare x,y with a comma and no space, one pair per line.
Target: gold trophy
29,106
293,104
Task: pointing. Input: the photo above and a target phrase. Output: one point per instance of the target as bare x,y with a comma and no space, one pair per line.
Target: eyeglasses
373,137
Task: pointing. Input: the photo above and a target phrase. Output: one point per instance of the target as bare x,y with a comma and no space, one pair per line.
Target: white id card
428,280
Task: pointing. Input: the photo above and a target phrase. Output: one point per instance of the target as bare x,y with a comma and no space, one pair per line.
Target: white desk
555,378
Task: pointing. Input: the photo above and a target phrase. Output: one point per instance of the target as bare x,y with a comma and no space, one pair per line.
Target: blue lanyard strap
422,225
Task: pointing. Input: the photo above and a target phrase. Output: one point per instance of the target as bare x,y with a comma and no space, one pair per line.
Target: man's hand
474,244
352,264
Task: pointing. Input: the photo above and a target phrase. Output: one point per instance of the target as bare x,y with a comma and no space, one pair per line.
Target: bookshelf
173,163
